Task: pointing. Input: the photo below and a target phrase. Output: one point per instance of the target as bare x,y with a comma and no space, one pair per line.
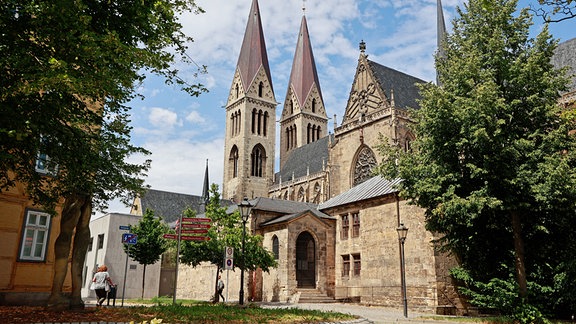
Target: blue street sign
129,238
125,227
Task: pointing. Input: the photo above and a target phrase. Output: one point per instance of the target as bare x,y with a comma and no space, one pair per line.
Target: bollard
112,295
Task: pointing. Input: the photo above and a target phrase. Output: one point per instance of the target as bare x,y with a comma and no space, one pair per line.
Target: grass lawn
185,311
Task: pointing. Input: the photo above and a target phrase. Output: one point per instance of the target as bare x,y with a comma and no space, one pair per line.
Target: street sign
129,238
196,225
229,264
229,258
194,231
196,220
186,237
125,227
195,238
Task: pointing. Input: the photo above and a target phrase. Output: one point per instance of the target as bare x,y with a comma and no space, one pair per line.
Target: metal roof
371,188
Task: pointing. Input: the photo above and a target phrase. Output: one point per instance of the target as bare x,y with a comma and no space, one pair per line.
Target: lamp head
402,232
245,207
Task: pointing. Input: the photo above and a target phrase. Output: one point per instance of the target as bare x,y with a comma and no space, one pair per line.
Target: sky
183,132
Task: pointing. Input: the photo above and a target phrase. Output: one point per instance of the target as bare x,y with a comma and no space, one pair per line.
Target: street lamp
245,207
402,232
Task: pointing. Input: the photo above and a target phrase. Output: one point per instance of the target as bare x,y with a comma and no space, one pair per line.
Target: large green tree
150,244
226,230
68,68
493,160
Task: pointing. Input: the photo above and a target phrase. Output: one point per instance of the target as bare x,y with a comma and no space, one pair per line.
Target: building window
43,164
35,238
233,161
258,161
355,224
357,265
345,227
100,241
276,247
345,266
90,244
260,89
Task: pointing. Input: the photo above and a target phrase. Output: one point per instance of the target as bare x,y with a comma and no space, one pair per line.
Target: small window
345,266
357,265
133,267
35,237
260,89
355,224
90,244
276,247
100,241
345,227
43,164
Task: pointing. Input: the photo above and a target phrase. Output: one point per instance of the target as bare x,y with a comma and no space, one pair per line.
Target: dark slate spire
304,75
253,53
205,190
440,34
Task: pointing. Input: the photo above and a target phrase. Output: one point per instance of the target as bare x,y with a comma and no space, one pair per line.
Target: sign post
125,228
228,264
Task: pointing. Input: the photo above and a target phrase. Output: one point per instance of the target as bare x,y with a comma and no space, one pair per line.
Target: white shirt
100,279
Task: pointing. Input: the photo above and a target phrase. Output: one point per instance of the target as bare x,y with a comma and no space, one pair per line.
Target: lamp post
402,232
245,207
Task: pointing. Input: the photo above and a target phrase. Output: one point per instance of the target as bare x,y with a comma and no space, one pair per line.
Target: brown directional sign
186,237
195,220
195,238
196,225
194,231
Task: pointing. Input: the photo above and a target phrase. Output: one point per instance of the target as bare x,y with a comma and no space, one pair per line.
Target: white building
106,247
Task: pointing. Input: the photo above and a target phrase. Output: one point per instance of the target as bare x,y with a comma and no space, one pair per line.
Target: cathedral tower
303,119
250,116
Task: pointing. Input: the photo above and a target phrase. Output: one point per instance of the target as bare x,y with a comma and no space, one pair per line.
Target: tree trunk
519,255
143,280
71,212
79,250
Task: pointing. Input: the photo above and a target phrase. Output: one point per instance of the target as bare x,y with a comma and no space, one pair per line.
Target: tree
226,230
68,69
556,10
493,160
150,244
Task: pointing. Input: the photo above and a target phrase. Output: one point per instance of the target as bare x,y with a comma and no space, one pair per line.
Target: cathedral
331,224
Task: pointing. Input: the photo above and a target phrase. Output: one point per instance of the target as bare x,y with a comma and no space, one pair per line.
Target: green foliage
150,243
226,231
68,69
501,294
493,146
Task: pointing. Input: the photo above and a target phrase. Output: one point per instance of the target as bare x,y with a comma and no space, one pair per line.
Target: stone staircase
313,296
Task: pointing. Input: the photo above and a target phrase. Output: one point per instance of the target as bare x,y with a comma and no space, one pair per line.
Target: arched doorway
305,261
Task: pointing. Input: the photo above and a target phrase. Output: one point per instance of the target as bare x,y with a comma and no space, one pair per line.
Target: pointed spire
440,33
205,190
304,74
253,54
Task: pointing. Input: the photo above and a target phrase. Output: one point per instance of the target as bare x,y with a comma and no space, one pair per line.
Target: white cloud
163,118
195,118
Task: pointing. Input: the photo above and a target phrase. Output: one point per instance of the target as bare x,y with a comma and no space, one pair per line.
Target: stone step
313,296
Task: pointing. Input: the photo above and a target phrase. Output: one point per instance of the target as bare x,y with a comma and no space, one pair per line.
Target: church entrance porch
305,261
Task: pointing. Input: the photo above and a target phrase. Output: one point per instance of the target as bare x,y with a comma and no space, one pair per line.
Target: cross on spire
304,7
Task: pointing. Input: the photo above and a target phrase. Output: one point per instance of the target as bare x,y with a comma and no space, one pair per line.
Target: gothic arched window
265,124
258,160
276,247
233,160
260,89
365,162
313,105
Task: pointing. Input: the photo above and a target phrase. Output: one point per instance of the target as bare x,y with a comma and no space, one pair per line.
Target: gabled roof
289,217
281,206
170,205
310,157
404,86
304,74
371,188
253,52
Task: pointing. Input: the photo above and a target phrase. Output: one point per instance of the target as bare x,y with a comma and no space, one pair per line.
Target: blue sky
183,131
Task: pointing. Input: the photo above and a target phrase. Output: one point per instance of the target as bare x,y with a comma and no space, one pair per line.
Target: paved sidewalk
370,314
